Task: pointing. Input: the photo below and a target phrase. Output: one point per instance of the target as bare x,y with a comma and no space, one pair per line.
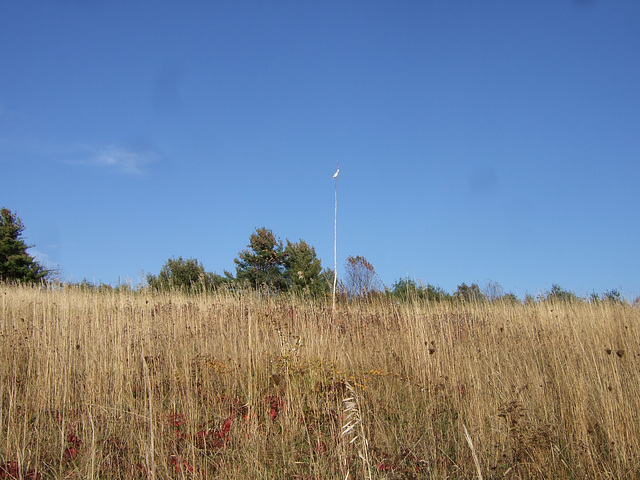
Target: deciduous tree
360,277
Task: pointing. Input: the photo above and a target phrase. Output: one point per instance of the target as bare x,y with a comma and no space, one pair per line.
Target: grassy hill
129,385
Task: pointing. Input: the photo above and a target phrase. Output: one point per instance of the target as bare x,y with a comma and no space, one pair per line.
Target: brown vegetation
136,385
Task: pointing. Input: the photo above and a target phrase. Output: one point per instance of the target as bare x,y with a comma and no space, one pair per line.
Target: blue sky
492,141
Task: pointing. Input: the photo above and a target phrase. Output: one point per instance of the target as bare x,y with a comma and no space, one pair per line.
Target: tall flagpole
335,239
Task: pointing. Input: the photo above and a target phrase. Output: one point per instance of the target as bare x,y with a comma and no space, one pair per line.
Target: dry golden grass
134,385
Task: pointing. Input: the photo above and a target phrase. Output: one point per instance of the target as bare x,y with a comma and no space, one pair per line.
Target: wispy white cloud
43,259
124,160
129,159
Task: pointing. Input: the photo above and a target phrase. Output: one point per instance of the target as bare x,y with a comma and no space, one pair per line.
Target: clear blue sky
478,141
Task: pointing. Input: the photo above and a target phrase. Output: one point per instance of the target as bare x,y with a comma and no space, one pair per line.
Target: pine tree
15,263
304,273
262,264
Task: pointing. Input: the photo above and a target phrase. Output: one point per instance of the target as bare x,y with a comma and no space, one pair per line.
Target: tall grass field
136,385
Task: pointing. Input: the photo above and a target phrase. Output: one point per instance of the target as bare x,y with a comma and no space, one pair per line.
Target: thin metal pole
335,239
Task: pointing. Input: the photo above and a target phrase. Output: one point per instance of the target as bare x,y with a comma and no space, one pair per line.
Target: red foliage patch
74,440
215,438
9,469
32,475
177,419
70,453
275,405
181,465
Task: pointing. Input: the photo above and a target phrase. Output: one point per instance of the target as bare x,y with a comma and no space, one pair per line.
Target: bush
186,275
558,294
407,289
469,293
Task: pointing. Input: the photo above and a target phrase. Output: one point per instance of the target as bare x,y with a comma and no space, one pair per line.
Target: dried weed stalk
354,428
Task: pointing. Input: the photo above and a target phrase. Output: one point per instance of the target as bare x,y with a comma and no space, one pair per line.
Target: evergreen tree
262,263
303,271
15,263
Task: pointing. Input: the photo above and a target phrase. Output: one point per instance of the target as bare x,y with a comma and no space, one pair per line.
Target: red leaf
73,439
70,453
10,468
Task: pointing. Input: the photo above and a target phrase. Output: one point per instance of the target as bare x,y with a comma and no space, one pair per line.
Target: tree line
265,264
268,264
